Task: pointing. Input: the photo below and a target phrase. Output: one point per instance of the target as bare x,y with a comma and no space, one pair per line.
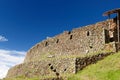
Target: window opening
71,37
106,32
69,32
65,69
54,70
91,47
49,64
57,41
88,33
111,39
51,67
46,44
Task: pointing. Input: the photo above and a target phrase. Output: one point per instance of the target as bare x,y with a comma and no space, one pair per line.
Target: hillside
106,69
67,53
62,54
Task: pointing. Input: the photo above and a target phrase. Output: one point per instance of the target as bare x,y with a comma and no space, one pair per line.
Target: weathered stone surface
84,40
59,55
41,68
83,62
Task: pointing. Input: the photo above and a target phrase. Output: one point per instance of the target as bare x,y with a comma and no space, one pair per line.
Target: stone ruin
71,51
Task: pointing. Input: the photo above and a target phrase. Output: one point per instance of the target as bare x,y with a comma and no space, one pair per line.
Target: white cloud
8,59
2,39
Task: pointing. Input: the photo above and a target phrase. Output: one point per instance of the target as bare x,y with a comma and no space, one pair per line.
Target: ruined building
59,55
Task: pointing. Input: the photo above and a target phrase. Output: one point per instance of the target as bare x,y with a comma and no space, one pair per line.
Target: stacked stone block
59,55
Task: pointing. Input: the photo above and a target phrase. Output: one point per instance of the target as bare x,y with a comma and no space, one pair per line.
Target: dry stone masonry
83,62
88,39
68,52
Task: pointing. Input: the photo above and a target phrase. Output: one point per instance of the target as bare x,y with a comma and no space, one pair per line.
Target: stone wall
83,62
55,68
43,68
58,55
117,46
79,41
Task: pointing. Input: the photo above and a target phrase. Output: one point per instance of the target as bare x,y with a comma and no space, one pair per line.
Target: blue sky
23,23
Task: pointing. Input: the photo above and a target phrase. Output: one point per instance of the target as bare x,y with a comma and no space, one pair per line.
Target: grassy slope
106,69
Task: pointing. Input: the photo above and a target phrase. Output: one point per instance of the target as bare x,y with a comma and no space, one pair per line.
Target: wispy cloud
9,58
2,39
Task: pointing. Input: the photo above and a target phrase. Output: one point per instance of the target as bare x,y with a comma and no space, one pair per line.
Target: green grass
34,78
106,69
